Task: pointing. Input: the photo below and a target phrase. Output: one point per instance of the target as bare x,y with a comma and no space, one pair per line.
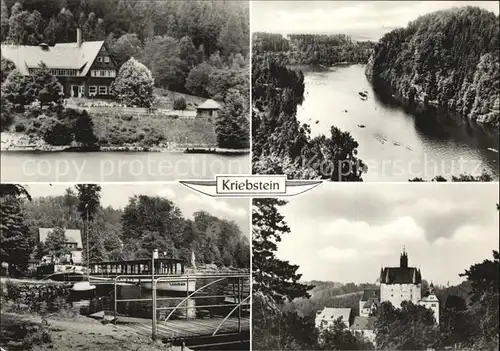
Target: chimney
78,36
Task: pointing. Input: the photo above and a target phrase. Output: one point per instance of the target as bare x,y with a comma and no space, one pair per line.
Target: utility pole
88,250
153,294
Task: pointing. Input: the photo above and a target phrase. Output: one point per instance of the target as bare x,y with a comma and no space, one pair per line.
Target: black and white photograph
376,90
124,90
377,266
76,268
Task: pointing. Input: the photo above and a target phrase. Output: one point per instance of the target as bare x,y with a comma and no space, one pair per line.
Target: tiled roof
371,294
209,105
72,235
61,56
331,314
363,323
400,275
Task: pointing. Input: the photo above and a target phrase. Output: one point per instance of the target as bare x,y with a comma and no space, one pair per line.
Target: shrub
56,132
20,127
13,291
180,104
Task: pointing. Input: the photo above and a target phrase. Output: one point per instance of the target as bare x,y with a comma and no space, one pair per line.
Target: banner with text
251,186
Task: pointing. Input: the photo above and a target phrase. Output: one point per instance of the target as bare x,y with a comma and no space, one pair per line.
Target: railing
234,279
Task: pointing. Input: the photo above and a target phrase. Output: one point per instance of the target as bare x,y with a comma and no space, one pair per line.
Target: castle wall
397,293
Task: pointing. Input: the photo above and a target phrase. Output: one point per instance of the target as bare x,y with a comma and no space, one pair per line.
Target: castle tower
403,259
431,302
401,283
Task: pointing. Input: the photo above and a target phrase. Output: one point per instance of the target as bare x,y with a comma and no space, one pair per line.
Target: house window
92,90
103,90
99,59
106,59
433,305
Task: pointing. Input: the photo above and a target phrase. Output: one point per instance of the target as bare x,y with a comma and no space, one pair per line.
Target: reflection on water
396,143
117,166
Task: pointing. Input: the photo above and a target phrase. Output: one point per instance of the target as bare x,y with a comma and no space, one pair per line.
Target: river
117,166
395,144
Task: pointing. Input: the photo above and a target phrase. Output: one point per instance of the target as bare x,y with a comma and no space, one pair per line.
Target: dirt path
82,333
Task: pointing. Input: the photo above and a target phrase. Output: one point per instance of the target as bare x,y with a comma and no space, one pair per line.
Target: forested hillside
280,145
196,47
314,49
329,294
448,58
129,233
183,43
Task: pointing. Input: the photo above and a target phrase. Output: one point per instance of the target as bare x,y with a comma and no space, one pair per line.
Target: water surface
117,166
395,144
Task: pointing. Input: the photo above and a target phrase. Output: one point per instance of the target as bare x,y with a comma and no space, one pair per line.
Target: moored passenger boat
171,269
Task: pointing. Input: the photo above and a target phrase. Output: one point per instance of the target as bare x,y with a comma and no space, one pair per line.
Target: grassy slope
117,129
151,129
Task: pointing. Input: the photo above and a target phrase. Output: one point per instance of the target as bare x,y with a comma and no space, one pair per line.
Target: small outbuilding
208,109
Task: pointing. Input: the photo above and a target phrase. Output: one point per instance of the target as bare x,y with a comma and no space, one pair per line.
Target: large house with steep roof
84,69
73,241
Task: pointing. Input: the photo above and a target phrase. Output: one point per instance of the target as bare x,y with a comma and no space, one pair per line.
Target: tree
152,214
82,126
18,27
180,104
338,337
232,38
43,86
134,85
233,123
187,52
89,202
412,327
6,67
198,79
273,277
14,234
484,278
125,47
14,87
4,21
56,243
55,131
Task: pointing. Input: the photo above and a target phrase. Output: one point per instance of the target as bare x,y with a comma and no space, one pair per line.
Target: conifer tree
273,277
233,126
134,84
14,233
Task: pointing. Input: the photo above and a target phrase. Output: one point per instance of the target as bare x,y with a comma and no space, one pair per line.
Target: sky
117,196
363,20
347,233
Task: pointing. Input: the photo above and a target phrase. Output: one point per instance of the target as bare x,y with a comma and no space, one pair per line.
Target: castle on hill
396,284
